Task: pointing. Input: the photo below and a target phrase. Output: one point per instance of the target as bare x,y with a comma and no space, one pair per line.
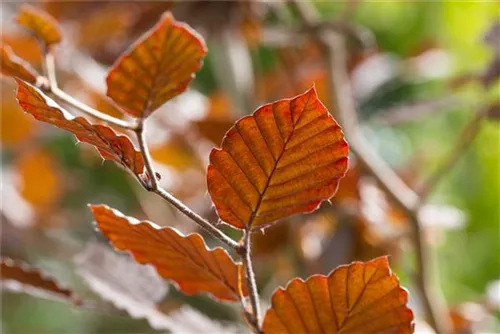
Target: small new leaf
186,260
110,145
356,298
21,277
156,68
13,66
285,158
41,24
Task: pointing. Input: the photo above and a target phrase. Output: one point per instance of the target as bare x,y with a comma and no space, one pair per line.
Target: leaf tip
40,23
312,91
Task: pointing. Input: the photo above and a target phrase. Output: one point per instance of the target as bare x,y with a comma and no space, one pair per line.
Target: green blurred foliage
469,259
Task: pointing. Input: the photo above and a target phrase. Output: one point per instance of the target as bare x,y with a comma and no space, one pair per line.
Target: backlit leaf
286,158
185,260
213,129
13,66
110,145
156,68
26,47
174,152
10,114
40,23
357,298
39,179
21,277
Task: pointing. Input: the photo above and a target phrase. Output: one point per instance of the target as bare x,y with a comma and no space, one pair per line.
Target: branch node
241,249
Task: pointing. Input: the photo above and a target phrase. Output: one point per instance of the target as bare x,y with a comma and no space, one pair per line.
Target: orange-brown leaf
10,114
110,145
13,66
40,182
22,277
357,298
40,23
185,260
286,158
156,68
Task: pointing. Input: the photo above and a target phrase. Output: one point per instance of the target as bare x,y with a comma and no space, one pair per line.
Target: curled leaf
40,23
357,298
21,277
156,68
186,260
128,285
138,289
110,145
13,66
285,158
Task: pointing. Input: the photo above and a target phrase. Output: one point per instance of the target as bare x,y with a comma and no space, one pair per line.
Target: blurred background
420,72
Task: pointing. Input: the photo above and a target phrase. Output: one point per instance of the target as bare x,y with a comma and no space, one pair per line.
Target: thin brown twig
148,160
153,186
246,256
314,25
463,141
343,105
53,88
138,128
243,248
247,312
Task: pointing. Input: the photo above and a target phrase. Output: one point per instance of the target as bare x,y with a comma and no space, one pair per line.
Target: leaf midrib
276,162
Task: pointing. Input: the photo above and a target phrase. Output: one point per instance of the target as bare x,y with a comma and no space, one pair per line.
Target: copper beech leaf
110,145
21,277
285,158
13,66
357,298
156,68
186,260
39,23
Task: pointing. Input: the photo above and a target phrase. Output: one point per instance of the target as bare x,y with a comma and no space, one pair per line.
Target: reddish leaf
26,47
286,158
213,129
22,277
40,23
356,298
110,145
182,259
156,68
13,66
